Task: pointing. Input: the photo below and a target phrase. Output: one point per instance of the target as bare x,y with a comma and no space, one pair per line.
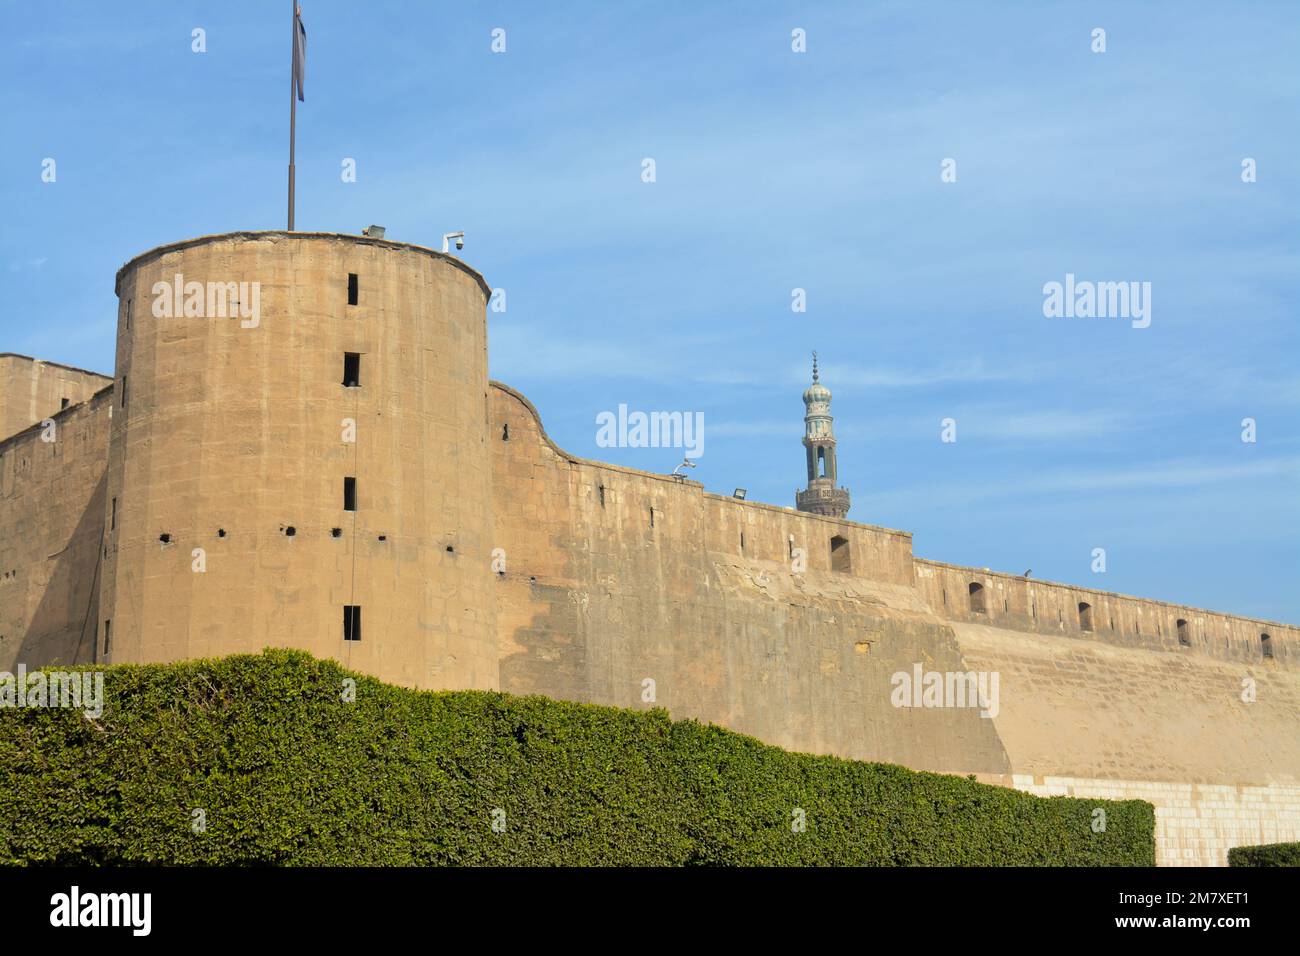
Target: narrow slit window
351,369
108,636
128,315
352,288
352,622
505,432
1266,645
112,518
349,494
123,405
1184,635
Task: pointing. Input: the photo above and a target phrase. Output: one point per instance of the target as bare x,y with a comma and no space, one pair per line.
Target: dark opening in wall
123,405
1085,616
742,541
108,636
290,531
505,432
221,532
351,369
352,622
383,537
1033,609
63,403
977,598
349,494
652,516
112,517
1266,645
165,538
841,557
1184,634
336,532
352,288
128,315
602,495
450,549
1006,605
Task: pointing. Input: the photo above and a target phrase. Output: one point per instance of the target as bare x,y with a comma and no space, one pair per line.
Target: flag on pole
299,52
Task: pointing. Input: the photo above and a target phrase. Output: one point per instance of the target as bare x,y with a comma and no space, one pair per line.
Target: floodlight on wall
739,493
458,236
374,232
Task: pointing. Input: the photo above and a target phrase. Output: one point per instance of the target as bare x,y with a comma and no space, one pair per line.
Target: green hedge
287,772
1270,854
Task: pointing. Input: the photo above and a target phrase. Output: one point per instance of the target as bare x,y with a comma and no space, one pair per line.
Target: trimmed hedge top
1269,854
263,760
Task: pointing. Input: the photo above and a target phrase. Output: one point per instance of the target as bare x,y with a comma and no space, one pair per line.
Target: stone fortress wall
484,556
34,390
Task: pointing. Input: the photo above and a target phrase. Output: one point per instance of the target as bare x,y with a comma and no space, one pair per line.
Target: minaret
821,496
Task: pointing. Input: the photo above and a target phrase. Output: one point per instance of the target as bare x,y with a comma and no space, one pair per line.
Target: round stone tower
298,457
821,497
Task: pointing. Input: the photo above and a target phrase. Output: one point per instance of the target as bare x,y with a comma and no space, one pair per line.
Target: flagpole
293,99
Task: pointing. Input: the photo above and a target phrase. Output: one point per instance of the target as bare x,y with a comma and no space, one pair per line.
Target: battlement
978,595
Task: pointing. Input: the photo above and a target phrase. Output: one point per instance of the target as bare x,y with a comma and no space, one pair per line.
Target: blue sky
775,171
